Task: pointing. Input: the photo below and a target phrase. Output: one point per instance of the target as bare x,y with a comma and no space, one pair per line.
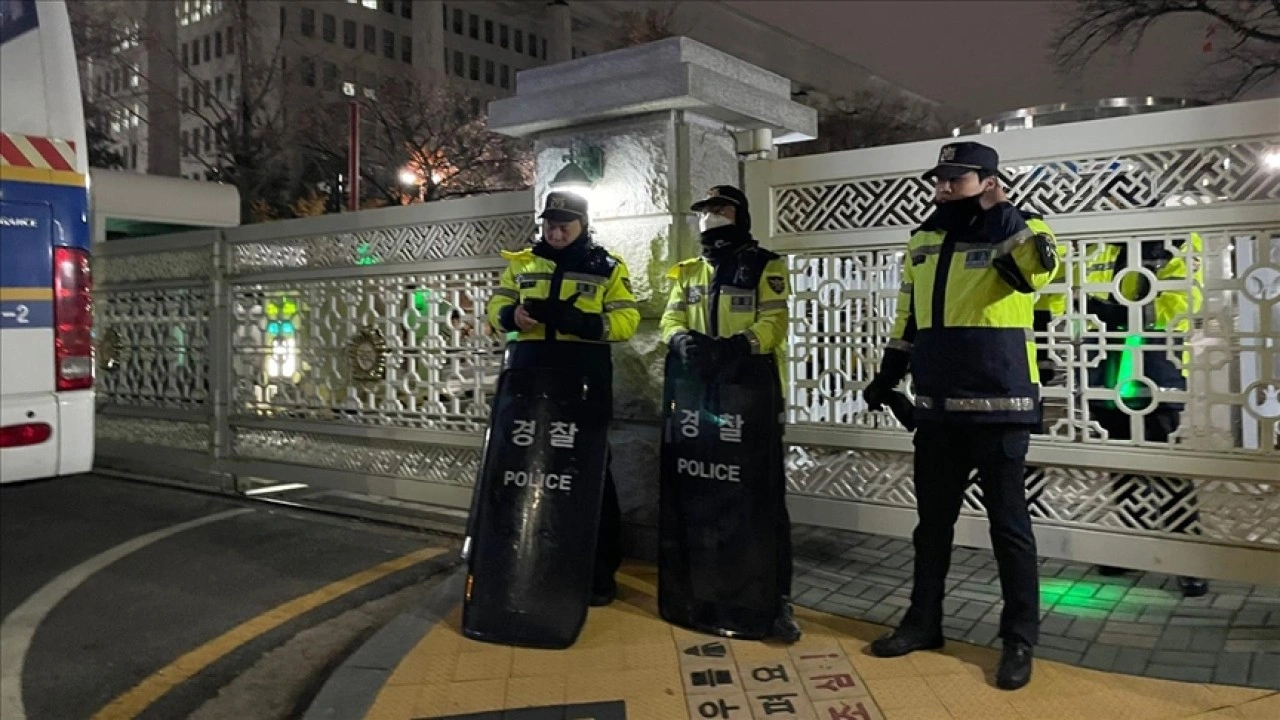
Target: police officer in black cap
568,300
963,331
731,303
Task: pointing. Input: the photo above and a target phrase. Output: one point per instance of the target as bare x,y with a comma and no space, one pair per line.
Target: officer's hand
877,394
732,348
693,348
571,319
538,310
524,320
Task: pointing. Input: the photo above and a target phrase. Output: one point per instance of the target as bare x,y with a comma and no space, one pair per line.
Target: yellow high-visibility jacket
754,302
965,316
600,282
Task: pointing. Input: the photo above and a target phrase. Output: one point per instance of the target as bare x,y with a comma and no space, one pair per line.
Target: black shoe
1015,666
1193,586
1112,571
903,641
604,596
785,627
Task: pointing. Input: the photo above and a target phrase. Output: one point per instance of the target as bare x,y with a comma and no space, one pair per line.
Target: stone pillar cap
676,73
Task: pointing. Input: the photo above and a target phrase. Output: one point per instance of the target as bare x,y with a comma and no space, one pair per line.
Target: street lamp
584,165
408,178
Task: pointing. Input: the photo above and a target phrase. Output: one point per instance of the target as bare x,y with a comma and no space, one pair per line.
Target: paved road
107,583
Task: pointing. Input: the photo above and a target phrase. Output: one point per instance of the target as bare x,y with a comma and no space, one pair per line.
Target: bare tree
237,133
430,133
1248,48
870,118
637,27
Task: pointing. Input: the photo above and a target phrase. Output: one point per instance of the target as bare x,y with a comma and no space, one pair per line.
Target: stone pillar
559,32
664,115
164,118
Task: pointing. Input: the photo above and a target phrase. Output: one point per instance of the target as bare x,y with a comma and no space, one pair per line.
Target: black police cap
956,159
721,195
564,207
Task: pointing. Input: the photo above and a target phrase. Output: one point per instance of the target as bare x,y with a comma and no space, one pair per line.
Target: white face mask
710,221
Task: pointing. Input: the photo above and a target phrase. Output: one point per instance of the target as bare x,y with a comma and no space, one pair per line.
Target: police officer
567,300
1170,310
964,331
731,303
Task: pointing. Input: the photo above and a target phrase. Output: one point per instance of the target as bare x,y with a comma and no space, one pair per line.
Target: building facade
171,89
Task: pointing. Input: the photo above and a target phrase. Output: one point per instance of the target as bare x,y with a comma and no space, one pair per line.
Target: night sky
985,56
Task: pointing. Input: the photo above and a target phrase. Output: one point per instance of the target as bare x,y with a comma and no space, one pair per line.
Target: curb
350,691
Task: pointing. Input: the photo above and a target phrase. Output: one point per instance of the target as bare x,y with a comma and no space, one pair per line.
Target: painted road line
20,626
136,701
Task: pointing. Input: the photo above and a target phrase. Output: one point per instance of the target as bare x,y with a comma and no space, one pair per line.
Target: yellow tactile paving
626,652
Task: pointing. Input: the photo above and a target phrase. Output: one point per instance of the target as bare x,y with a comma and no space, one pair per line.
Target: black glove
539,310
878,392
1112,314
694,348
892,369
732,348
567,317
902,409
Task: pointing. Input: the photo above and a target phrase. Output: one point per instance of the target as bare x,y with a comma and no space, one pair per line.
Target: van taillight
72,319
25,434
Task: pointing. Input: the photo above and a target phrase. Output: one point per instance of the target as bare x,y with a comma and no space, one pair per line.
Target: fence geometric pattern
1217,173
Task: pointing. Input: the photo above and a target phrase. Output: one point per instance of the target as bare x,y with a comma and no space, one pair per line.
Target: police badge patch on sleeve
777,283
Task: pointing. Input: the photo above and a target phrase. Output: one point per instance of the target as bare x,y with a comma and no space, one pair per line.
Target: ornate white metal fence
349,355
1205,498
356,356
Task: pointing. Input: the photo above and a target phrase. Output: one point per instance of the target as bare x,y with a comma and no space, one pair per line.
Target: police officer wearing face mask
964,332
568,300
729,304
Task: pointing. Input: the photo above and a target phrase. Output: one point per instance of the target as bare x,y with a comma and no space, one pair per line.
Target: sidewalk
630,664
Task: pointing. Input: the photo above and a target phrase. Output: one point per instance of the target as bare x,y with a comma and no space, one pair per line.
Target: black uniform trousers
946,454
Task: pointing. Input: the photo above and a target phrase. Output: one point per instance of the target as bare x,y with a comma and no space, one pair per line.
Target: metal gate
843,218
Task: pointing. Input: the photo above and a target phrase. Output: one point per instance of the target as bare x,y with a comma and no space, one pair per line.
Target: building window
406,9
488,72
208,139
231,85
457,21
488,31
330,28
474,27
370,38
184,55
330,76
308,22
349,33
133,155
217,44
217,86
504,77
533,45
459,67
371,4
389,44
503,37
543,41
519,44
186,96
406,49
389,6
186,143
231,43
475,68
207,48
308,72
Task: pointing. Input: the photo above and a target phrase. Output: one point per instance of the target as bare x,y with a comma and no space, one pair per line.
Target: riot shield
536,511
720,497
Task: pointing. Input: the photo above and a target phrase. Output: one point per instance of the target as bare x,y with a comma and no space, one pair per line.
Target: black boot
785,627
905,640
1193,586
1015,666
